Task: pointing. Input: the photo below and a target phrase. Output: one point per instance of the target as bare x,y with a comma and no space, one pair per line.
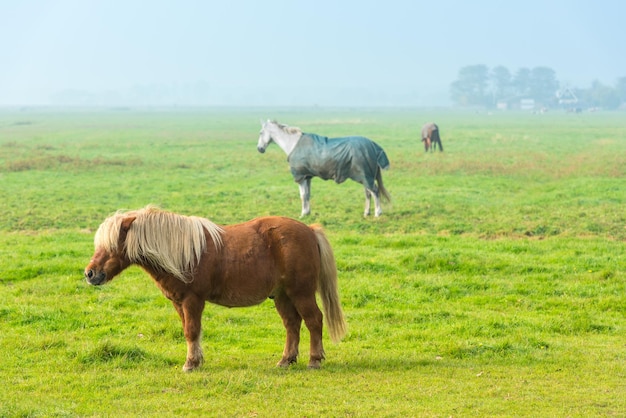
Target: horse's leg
437,139
292,321
192,308
366,212
310,312
379,209
371,190
305,196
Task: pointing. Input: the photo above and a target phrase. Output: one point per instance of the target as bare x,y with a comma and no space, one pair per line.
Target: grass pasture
494,284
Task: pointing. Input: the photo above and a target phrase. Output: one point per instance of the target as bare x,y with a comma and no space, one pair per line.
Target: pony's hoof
190,366
286,362
315,364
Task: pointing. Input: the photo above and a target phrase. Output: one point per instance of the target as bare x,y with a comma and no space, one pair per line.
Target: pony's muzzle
260,149
94,278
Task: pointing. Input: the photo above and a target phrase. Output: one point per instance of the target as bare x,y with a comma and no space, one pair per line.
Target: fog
292,53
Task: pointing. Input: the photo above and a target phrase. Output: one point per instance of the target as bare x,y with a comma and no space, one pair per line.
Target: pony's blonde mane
167,241
288,129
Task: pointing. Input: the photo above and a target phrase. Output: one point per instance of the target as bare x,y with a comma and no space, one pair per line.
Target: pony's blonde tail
327,287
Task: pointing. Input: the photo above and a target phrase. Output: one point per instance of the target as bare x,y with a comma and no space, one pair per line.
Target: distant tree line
478,85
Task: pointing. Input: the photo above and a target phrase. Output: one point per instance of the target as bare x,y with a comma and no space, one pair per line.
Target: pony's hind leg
310,312
292,321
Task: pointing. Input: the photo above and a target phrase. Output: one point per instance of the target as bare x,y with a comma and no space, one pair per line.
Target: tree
603,96
620,87
478,86
521,81
501,82
543,85
471,86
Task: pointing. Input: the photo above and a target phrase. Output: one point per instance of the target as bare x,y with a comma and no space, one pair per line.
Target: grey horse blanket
354,157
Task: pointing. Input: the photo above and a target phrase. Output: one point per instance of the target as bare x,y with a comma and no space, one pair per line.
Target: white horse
311,155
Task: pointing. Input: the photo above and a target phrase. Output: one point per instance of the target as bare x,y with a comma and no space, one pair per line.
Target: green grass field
494,284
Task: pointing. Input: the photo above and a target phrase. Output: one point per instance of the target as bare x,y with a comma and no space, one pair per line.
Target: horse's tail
383,164
327,287
381,186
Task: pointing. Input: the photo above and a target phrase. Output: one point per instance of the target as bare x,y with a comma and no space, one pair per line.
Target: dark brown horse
430,137
192,260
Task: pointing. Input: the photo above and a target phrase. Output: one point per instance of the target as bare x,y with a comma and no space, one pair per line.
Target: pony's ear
126,222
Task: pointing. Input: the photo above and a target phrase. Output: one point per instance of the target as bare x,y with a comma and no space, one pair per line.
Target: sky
293,53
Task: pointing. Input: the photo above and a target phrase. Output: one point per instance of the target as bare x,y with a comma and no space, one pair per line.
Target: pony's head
265,137
155,239
109,258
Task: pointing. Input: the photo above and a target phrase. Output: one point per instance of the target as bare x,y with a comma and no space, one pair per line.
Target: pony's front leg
305,196
192,326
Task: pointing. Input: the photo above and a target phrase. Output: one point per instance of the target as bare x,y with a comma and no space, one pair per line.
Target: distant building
527,104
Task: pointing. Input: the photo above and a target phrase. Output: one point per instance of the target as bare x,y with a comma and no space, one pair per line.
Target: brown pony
192,260
430,137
